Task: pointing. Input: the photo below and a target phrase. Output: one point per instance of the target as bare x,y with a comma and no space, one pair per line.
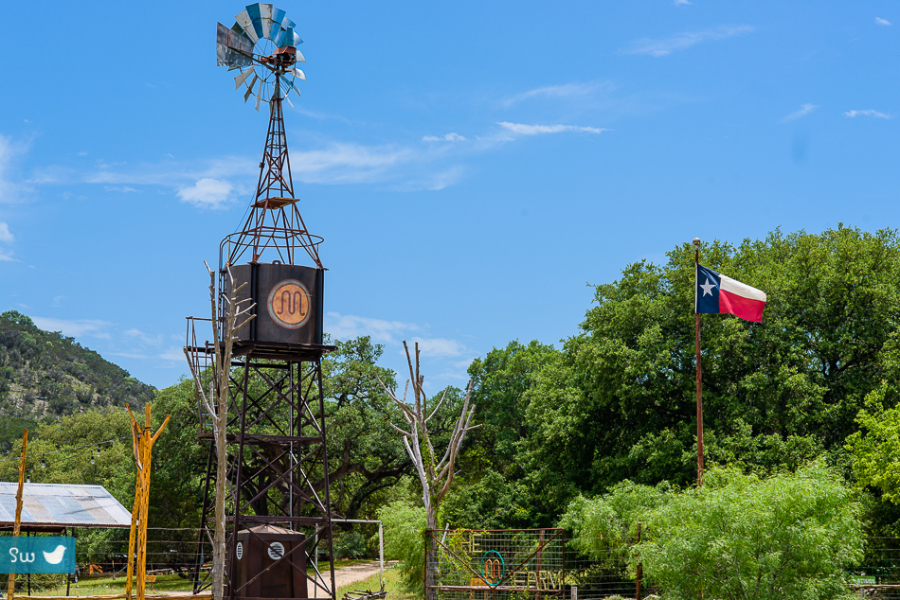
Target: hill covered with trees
44,374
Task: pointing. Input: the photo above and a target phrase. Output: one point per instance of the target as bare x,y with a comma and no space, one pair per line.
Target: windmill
278,516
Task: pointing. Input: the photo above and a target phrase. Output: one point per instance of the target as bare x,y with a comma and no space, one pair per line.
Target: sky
474,167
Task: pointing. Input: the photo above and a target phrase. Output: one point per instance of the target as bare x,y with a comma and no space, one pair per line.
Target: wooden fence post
17,526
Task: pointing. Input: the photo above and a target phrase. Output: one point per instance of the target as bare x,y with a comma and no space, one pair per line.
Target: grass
56,586
392,585
87,587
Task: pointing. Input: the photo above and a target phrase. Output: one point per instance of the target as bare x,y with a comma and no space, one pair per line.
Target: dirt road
347,575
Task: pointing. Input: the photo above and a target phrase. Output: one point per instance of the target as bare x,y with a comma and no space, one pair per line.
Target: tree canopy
618,401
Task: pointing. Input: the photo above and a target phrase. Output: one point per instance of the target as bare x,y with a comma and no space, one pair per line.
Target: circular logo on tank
276,550
239,550
289,304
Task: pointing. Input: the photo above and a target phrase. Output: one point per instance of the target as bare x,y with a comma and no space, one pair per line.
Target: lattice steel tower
278,503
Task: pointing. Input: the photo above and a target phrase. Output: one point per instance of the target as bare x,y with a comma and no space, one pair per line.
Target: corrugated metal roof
62,505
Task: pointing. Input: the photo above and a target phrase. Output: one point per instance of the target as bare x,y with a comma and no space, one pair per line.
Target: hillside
44,374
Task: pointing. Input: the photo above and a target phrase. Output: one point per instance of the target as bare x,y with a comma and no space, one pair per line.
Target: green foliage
605,527
876,449
500,380
365,455
349,544
493,502
618,401
43,373
404,540
17,318
740,536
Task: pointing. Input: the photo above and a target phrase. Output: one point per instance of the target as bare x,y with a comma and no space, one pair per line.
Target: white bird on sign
55,557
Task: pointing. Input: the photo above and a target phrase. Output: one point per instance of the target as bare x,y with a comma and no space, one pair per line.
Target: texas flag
717,293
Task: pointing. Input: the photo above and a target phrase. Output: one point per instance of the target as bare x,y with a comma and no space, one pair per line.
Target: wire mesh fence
525,564
608,576
497,564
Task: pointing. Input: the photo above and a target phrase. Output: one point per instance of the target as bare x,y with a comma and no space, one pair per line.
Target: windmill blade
255,13
289,101
258,95
279,36
232,50
242,78
299,73
297,40
300,57
285,37
288,86
265,20
243,19
250,87
277,18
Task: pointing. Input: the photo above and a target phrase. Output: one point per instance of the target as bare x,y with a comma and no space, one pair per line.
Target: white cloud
434,181
682,41
402,167
6,257
681,3
450,137
555,91
522,129
346,327
5,236
350,163
207,192
802,112
128,355
881,21
173,353
867,113
74,328
438,346
147,339
10,191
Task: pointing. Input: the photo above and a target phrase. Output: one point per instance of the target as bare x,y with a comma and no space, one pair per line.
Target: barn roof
54,506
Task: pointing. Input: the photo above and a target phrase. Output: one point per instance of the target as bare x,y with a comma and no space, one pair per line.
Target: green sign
37,554
862,581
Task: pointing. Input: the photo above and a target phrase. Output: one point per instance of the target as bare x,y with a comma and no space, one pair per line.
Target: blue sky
472,166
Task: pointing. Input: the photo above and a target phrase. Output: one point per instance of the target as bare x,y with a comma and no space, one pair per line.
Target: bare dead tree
215,402
434,475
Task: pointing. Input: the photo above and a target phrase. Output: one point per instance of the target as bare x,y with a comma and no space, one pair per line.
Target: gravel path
346,575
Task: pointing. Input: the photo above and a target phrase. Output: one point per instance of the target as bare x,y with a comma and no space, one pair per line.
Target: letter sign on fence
37,554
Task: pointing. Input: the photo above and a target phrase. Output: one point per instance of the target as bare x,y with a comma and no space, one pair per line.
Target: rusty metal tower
278,502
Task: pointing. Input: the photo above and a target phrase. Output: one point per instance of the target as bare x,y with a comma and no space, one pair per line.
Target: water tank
288,302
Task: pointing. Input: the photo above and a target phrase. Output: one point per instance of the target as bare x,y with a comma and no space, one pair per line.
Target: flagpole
699,373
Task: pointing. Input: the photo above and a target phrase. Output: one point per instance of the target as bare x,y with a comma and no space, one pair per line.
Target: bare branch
406,433
441,401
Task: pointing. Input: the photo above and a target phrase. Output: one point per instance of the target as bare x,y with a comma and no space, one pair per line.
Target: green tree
499,381
742,537
618,401
605,528
875,448
404,540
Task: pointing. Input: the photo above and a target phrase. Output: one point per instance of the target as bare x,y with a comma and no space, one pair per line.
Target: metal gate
499,564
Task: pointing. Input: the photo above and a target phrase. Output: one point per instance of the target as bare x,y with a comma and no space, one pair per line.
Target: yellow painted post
136,444
143,451
17,526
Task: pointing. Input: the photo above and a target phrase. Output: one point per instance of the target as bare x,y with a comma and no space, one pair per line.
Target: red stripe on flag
745,308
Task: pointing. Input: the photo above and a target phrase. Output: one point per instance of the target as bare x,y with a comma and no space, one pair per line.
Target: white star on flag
708,287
